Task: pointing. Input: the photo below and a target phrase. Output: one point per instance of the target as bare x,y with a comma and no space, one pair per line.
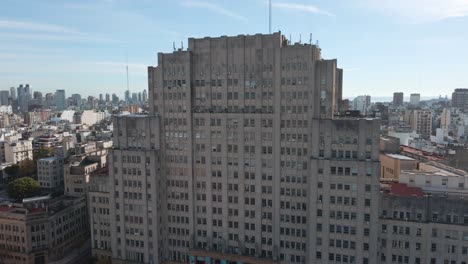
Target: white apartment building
50,172
17,150
91,117
362,104
436,177
415,98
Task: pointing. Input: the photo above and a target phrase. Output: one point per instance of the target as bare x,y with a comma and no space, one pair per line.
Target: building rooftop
49,159
36,199
420,153
401,189
434,168
400,157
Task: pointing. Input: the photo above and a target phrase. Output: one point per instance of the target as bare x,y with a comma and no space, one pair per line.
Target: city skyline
241,149
82,47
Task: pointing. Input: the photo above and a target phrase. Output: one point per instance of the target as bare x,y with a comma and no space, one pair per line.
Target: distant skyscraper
101,98
4,97
445,118
134,98
362,103
145,96
398,99
460,98
60,101
415,99
90,100
115,99
127,97
140,99
38,97
76,98
13,93
107,98
24,95
49,99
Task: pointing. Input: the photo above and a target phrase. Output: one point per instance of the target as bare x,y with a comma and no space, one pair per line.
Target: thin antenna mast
310,38
269,21
126,66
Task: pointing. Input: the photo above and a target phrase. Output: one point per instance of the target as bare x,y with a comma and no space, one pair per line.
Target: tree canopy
44,153
24,168
23,188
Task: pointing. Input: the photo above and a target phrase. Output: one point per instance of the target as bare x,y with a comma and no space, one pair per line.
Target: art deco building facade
242,159
44,230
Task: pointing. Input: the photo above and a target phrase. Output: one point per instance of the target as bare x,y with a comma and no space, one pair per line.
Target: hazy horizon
83,46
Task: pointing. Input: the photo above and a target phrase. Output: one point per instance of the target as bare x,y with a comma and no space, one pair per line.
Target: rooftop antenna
300,38
173,46
126,67
182,45
269,17
310,38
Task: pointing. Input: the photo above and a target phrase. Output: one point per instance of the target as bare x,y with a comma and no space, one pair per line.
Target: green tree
12,171
27,168
23,188
44,153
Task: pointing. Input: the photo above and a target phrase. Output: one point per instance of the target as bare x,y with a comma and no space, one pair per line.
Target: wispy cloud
352,69
421,11
215,8
51,37
301,7
33,26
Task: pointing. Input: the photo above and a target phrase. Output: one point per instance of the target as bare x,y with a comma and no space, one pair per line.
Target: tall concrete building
115,99
415,98
13,93
242,159
421,122
137,192
128,99
60,100
49,99
24,95
145,96
445,118
398,99
38,97
76,99
4,97
460,98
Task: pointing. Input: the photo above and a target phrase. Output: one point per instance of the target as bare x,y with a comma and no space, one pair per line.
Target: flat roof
400,157
49,158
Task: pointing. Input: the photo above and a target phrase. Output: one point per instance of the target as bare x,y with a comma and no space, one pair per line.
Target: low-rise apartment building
423,228
44,230
50,172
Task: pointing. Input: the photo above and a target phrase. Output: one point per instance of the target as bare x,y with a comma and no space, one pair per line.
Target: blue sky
382,45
